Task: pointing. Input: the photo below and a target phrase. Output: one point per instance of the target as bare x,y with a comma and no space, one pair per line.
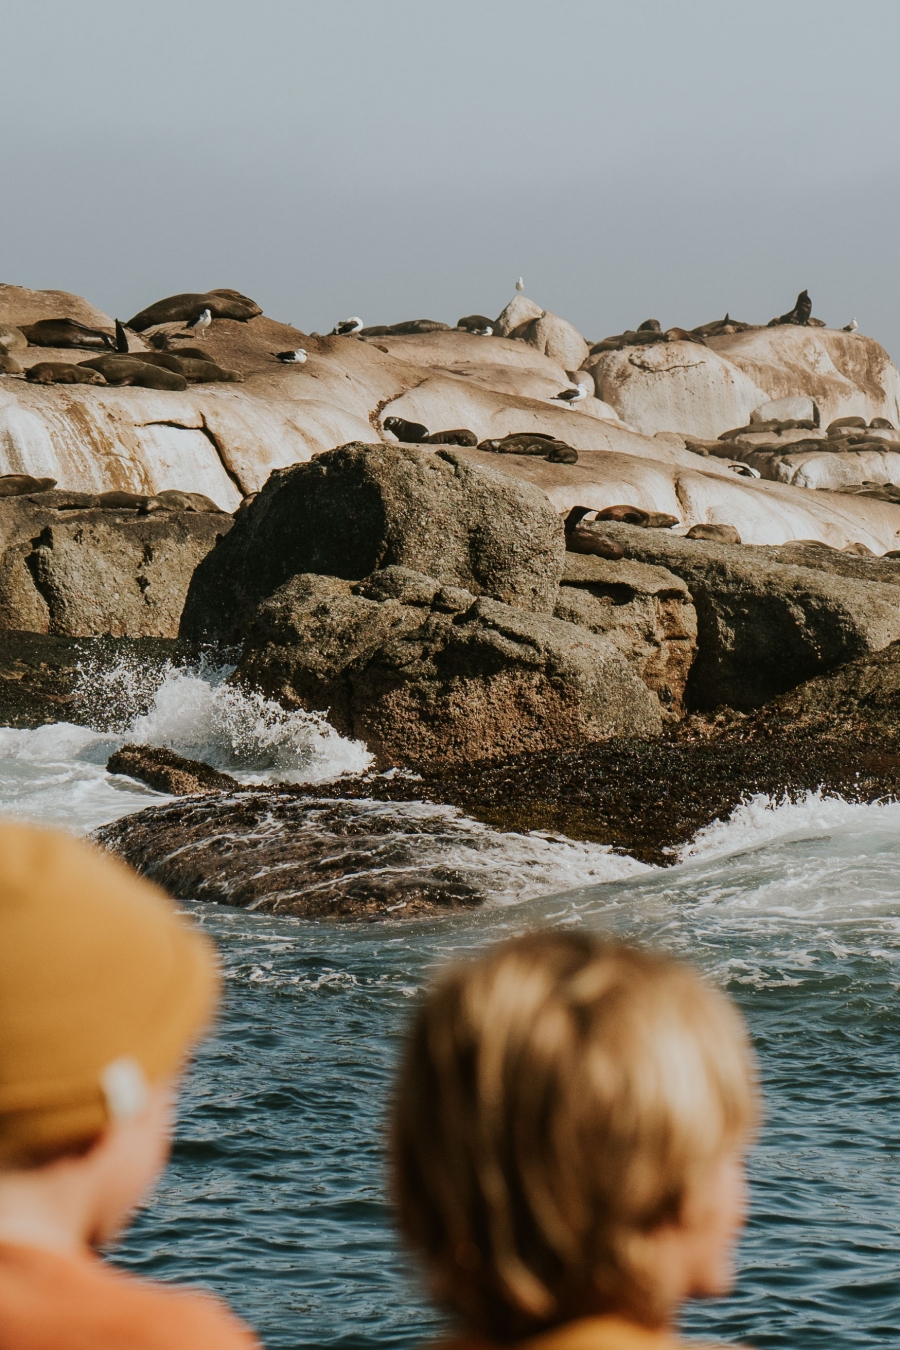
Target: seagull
571,396
482,332
850,327
201,323
520,285
291,358
346,326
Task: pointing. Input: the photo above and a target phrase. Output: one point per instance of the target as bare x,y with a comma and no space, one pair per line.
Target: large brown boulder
427,673
364,507
646,611
765,626
20,305
70,567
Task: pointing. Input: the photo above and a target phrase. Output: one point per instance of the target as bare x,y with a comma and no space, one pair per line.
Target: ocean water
275,1197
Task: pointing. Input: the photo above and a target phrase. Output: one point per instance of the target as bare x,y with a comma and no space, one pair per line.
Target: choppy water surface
275,1197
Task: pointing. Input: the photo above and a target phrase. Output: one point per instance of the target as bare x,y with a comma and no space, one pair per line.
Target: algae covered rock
360,508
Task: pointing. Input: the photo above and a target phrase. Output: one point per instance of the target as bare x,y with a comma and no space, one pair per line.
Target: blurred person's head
104,990
569,1133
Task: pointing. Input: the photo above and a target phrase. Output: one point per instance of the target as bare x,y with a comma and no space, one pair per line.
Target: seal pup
60,372
571,396
66,333
714,534
297,357
201,323
584,536
9,365
344,327
850,327
413,433
461,436
560,453
12,339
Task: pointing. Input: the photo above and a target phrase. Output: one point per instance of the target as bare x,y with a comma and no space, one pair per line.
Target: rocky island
605,589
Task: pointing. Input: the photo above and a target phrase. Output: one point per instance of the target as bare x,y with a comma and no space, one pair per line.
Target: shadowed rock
364,507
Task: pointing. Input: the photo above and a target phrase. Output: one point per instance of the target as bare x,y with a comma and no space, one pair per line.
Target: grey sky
410,158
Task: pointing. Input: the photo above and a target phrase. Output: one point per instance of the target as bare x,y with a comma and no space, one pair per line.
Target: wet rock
69,567
283,852
765,626
364,507
165,771
99,682
648,613
426,673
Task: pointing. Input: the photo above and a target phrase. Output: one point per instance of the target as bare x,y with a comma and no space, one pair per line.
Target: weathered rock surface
284,852
647,611
556,338
364,507
765,626
71,568
703,391
165,771
426,673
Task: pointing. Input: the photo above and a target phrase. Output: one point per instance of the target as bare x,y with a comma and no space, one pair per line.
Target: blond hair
559,1097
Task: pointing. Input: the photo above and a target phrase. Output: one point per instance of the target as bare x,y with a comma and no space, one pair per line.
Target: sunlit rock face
703,391
224,440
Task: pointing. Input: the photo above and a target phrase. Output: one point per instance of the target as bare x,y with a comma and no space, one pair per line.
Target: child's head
568,1134
103,991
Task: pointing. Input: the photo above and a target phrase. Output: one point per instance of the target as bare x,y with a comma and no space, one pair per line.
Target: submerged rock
165,771
286,852
364,507
432,674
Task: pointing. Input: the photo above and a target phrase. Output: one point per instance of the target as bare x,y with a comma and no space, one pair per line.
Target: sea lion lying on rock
207,372
222,304
532,443
9,365
586,537
128,501
636,515
406,328
459,437
22,484
120,370
66,333
412,433
714,534
12,339
61,372
173,499
560,453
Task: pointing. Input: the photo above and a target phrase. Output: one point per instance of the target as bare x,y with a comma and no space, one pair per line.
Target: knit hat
103,990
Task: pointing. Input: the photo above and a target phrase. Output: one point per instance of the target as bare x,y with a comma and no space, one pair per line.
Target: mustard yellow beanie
103,990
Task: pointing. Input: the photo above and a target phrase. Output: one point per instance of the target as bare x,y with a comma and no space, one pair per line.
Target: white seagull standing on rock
297,357
520,285
346,326
571,396
201,323
850,327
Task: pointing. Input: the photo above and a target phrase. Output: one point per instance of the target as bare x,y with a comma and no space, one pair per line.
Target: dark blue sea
275,1197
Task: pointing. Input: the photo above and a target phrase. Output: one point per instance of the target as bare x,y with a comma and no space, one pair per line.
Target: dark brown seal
185,308
130,370
62,372
586,537
458,437
413,433
66,333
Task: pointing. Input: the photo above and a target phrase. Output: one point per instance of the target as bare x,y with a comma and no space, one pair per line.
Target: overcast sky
410,158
